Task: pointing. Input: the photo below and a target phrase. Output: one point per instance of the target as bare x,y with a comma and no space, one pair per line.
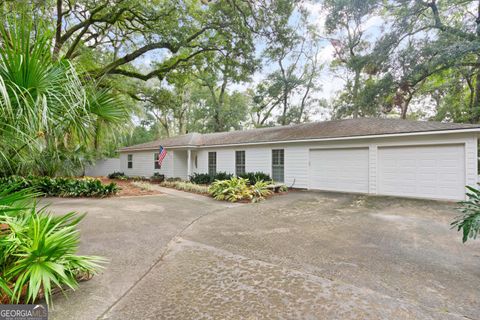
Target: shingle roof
305,131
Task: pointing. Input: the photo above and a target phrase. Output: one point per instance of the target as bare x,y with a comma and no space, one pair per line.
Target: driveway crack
169,245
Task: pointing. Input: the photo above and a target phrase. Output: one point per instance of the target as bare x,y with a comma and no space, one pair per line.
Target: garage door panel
339,170
422,171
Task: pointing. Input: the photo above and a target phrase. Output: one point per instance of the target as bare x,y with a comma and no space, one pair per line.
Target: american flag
161,155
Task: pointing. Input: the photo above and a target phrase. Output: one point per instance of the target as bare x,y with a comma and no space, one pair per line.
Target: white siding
103,167
226,160
296,166
180,164
258,159
471,161
202,161
143,164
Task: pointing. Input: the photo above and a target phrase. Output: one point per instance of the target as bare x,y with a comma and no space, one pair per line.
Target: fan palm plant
50,119
40,98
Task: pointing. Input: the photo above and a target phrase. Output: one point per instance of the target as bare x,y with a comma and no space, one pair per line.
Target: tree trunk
285,107
58,29
356,85
476,101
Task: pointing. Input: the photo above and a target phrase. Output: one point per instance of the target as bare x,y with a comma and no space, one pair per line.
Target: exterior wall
225,160
103,167
202,161
258,158
143,164
179,164
297,157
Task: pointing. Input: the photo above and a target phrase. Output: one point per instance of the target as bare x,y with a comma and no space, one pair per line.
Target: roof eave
155,148
419,133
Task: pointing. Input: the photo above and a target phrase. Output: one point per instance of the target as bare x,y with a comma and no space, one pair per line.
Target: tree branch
438,24
111,68
160,72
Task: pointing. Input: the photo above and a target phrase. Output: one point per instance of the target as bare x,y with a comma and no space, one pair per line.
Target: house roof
306,131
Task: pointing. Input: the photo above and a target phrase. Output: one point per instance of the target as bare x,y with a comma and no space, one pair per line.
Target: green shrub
171,179
185,186
201,178
238,189
62,187
136,178
205,178
469,221
38,250
117,175
157,177
254,177
221,176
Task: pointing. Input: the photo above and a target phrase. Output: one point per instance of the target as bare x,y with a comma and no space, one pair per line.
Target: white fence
103,167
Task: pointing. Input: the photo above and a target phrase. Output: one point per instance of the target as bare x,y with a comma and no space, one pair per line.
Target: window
130,161
156,165
212,163
278,165
239,162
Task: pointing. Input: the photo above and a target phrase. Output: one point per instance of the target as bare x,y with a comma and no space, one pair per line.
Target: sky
330,84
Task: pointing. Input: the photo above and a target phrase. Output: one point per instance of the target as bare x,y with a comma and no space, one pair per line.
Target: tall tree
425,39
346,26
291,54
116,33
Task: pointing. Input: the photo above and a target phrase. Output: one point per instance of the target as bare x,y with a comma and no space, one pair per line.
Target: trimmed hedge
200,178
252,177
205,178
61,187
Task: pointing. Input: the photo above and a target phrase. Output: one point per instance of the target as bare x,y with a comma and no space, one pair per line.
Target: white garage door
436,172
339,169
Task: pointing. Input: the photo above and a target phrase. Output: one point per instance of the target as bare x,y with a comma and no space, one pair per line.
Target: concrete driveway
305,255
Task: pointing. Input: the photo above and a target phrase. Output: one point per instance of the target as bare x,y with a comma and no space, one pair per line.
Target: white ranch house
375,156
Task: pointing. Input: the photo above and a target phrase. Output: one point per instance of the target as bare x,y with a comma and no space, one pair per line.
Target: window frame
130,161
241,166
156,166
280,165
212,168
